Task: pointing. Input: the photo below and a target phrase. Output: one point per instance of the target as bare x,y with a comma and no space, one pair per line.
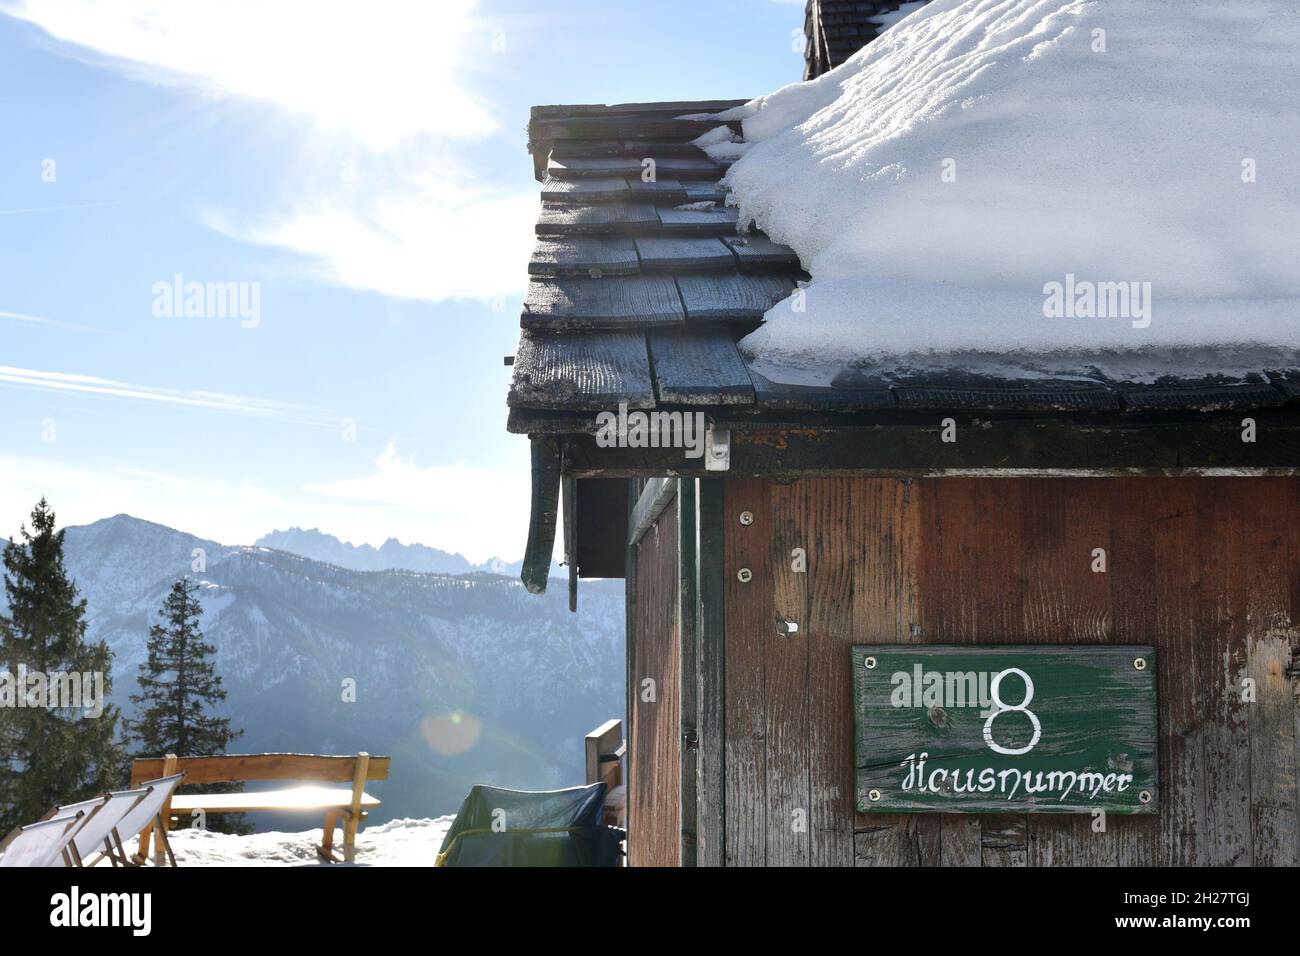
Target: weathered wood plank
592,256
1221,654
700,191
699,368
1003,841
683,254
1173,521
785,678
654,832
620,218
732,297
749,617
606,189
1273,718
689,621
757,253
662,191
688,167
595,371
836,529
714,221
587,149
711,774
616,127
591,167
616,302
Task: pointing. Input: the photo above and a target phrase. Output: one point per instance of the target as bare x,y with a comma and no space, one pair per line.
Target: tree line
53,753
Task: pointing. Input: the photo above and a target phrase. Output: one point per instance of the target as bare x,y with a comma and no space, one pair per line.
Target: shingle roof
641,286
641,280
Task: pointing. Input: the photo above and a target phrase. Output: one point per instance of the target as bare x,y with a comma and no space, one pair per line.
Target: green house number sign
1011,729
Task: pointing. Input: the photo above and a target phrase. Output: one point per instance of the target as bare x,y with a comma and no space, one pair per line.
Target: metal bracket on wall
717,449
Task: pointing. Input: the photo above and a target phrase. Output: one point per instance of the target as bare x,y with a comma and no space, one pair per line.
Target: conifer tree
50,751
179,684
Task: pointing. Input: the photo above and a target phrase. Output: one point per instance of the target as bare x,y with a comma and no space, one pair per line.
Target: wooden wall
654,759
1206,569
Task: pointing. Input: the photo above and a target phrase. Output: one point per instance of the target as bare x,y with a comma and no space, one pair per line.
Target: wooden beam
688,625
710,781
1027,446
606,740
232,768
655,497
629,658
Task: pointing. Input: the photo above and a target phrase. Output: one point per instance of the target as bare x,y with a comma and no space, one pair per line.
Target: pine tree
179,684
50,754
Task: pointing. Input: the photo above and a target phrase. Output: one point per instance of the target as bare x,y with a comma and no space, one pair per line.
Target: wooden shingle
683,254
713,221
666,192
603,189
581,372
592,256
757,253
700,367
620,218
592,167
606,303
732,298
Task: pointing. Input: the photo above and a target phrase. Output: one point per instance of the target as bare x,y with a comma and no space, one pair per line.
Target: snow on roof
1030,176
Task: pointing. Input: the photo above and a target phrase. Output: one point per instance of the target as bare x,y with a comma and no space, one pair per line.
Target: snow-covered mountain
461,678
392,555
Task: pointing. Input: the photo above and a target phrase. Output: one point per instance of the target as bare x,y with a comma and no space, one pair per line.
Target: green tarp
498,827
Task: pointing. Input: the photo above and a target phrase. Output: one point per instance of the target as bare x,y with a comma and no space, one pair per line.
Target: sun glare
379,71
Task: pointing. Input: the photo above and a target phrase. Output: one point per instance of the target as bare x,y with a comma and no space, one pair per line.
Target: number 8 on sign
1002,708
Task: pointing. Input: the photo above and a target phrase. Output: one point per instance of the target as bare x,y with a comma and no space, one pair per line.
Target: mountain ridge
462,679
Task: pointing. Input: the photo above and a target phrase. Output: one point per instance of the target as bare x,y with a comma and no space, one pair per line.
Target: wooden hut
815,571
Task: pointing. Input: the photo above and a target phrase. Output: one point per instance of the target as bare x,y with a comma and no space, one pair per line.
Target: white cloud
411,240
380,70
484,512
456,508
383,83
96,387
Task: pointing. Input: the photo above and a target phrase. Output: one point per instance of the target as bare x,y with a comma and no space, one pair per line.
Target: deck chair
85,810
95,833
146,813
39,844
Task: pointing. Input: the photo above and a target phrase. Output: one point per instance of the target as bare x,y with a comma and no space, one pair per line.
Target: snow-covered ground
396,843
946,184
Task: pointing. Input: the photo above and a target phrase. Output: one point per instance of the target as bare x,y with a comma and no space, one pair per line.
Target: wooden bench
352,805
605,748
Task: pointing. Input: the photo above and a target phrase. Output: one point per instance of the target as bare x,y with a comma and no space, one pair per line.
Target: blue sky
363,166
